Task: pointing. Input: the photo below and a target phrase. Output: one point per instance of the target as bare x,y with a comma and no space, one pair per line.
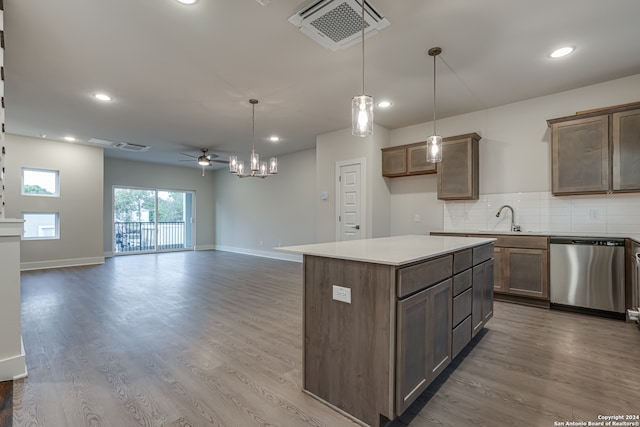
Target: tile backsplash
540,211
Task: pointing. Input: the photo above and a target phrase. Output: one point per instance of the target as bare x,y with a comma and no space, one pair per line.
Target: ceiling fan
204,159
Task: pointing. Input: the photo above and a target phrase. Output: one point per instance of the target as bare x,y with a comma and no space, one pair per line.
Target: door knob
357,227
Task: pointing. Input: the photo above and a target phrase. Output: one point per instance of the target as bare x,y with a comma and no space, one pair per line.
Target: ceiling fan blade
226,162
186,160
189,155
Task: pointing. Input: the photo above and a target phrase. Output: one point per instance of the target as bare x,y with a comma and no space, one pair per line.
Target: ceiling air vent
103,142
131,147
337,24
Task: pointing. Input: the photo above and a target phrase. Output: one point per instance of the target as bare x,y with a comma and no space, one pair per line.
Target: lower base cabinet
482,309
424,341
435,324
372,357
521,267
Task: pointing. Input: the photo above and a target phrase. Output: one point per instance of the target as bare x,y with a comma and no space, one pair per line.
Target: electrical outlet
261,243
340,293
416,217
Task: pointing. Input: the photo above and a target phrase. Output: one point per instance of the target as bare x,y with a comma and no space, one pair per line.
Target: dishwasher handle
586,241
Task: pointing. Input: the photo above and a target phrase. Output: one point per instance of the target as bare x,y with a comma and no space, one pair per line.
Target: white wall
340,146
514,149
126,173
255,215
79,204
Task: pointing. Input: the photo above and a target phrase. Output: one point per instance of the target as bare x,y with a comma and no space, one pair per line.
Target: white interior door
351,216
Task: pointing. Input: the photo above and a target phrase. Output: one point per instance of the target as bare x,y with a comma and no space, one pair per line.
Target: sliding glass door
150,220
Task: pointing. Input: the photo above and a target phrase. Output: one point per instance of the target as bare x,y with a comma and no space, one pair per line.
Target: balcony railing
141,236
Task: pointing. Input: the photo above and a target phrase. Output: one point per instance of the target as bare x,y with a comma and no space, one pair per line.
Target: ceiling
181,76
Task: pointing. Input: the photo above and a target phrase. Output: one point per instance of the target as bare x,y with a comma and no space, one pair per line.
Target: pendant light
434,142
257,169
362,105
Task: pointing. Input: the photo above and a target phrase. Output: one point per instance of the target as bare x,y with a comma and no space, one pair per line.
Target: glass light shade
233,164
434,148
240,167
203,161
255,161
263,168
362,115
273,165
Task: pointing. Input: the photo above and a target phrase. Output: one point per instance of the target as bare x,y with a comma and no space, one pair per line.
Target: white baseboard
108,254
265,254
205,247
57,263
14,368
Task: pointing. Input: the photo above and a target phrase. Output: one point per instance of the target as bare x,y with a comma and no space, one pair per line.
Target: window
40,182
41,225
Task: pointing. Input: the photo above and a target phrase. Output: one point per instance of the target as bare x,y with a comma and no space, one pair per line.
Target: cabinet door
417,159
580,156
626,151
394,161
440,326
634,279
501,265
424,341
528,272
482,309
487,293
478,294
458,170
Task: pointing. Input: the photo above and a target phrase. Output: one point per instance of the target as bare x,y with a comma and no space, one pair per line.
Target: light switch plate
340,293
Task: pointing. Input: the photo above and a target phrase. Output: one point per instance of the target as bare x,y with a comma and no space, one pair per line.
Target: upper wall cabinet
458,172
406,160
580,156
394,161
596,152
626,150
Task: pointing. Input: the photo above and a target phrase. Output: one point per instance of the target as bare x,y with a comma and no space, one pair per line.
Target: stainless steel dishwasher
588,273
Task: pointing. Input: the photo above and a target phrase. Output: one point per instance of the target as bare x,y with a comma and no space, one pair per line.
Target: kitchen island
382,318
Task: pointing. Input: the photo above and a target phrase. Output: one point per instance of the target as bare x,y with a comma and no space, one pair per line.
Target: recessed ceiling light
69,138
384,104
274,138
188,1
43,135
102,97
563,51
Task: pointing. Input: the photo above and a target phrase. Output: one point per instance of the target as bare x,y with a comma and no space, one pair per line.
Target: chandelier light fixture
434,142
257,169
362,105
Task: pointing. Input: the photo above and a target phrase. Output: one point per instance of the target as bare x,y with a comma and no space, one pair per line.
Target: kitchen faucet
513,226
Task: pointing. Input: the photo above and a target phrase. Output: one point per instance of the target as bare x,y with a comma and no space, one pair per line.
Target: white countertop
397,250
633,236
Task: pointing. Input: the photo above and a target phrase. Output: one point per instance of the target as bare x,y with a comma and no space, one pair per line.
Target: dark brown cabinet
406,160
580,156
394,161
458,172
424,341
521,266
482,309
526,272
596,152
632,273
499,272
519,273
626,150
417,159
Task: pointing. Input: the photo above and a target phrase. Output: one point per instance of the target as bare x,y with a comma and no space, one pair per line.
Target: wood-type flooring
214,339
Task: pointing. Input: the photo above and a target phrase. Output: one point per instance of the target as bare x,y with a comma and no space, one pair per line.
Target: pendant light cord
363,47
253,128
434,94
